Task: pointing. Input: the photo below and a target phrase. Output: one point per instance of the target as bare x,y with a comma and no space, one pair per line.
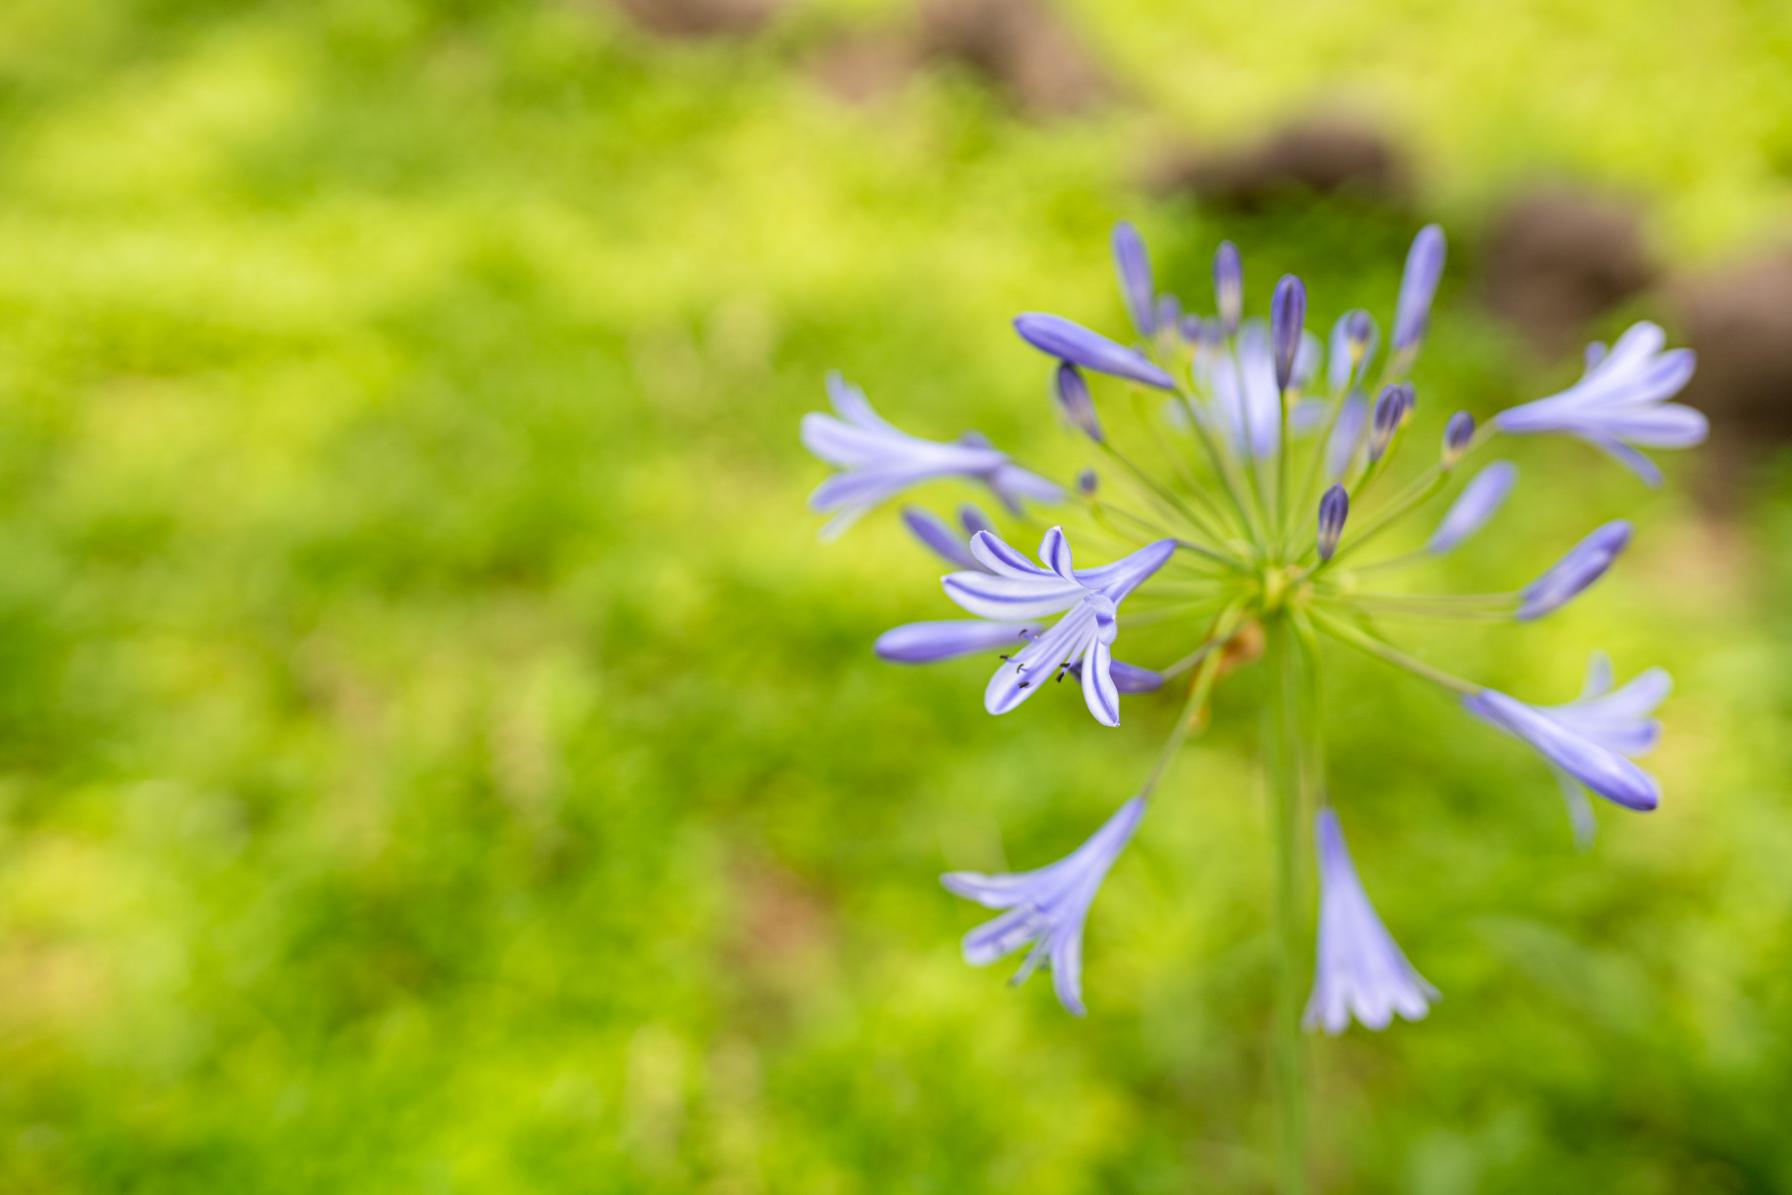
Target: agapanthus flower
1621,403
1011,587
1046,907
1570,576
1593,738
878,461
1253,541
1361,973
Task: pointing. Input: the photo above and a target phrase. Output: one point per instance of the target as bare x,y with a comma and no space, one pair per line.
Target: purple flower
1014,589
1584,564
1076,344
1228,286
1287,315
1479,501
1593,738
1134,265
1073,397
1334,508
878,460
1424,266
1620,403
1046,907
1620,720
1361,972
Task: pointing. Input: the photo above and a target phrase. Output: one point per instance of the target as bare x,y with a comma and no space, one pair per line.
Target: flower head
1046,907
1361,972
1014,588
1213,523
878,460
1621,403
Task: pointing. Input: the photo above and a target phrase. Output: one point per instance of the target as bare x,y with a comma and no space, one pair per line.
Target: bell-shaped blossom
1621,403
1361,972
1069,341
1570,576
1479,501
1013,588
1046,907
1593,738
878,460
1621,720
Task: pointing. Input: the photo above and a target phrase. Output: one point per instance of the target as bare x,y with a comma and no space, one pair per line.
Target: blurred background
436,753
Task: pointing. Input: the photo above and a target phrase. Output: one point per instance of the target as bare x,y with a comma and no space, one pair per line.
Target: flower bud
1390,411
1135,277
1334,508
1353,336
1287,312
1087,482
1584,564
1424,266
1457,434
1228,286
1074,400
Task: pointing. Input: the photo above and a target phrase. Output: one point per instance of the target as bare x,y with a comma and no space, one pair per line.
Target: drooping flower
1361,972
1076,344
1046,907
1570,576
1479,501
1014,588
1594,737
1621,403
878,460
1621,721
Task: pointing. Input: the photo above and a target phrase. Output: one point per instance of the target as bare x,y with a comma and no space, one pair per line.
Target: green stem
1287,811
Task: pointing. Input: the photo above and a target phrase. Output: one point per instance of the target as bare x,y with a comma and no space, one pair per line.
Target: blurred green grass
436,754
